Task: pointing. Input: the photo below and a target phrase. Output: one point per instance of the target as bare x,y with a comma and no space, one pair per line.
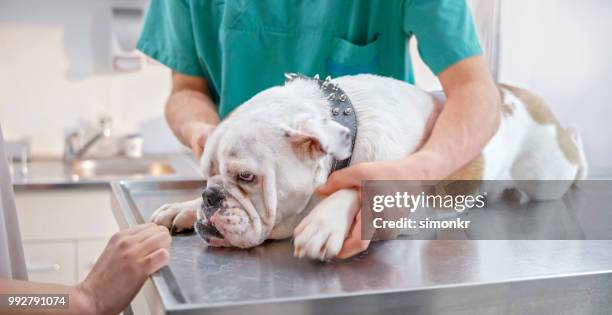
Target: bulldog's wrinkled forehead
233,165
239,150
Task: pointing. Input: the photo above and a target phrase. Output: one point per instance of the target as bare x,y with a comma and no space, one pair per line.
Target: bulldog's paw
317,239
321,233
178,216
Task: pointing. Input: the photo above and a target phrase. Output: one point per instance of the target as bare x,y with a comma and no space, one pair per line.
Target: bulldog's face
263,163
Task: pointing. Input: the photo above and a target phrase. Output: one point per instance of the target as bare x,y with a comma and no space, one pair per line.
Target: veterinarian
128,259
224,52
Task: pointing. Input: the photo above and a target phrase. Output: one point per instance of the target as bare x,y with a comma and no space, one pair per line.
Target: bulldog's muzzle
212,201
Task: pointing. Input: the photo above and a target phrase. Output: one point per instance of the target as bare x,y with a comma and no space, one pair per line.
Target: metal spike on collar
290,76
331,97
316,77
336,111
328,78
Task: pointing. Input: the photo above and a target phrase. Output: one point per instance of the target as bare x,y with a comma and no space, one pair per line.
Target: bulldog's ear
313,137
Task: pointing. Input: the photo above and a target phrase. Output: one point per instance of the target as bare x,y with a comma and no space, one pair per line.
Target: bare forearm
77,303
467,122
186,108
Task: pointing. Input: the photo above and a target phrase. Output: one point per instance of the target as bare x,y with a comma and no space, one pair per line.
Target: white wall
50,77
562,49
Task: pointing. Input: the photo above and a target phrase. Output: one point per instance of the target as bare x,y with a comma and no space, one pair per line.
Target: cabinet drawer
65,214
87,254
51,262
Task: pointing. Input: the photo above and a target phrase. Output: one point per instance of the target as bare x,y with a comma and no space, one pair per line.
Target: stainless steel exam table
393,277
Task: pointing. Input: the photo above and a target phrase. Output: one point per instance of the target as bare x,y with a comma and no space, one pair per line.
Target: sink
46,173
120,168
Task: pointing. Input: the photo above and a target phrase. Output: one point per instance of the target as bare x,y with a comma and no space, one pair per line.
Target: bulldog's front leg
321,233
180,215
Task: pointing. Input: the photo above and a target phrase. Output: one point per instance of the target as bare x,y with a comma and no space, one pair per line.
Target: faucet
73,150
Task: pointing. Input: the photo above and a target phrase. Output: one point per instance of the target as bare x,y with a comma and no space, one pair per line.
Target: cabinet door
53,262
65,214
87,254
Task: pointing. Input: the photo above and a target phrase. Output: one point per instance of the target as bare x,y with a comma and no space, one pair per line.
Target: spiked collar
341,107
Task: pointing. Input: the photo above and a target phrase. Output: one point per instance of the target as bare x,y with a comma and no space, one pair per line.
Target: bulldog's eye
246,177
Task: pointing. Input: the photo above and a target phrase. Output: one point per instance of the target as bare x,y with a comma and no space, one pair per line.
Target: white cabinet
65,214
51,262
64,231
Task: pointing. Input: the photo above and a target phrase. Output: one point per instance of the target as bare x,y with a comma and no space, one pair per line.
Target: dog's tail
583,167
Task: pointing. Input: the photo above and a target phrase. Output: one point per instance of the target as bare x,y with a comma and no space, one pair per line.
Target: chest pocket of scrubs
347,58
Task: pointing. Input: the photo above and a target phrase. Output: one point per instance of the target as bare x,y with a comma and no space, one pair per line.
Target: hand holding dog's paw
178,216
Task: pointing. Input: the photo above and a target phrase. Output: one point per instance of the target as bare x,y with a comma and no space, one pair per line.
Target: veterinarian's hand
198,133
128,259
419,166
353,244
414,167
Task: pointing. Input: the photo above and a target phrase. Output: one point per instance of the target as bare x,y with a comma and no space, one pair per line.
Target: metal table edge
182,308
126,215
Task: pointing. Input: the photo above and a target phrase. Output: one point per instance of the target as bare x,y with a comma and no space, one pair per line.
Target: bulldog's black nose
212,197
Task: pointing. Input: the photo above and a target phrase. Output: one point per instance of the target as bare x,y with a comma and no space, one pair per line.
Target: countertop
54,173
392,277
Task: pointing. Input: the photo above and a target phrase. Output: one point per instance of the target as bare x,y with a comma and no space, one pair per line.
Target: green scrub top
244,46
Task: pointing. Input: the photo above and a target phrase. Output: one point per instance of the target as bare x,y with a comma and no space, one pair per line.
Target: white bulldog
263,163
